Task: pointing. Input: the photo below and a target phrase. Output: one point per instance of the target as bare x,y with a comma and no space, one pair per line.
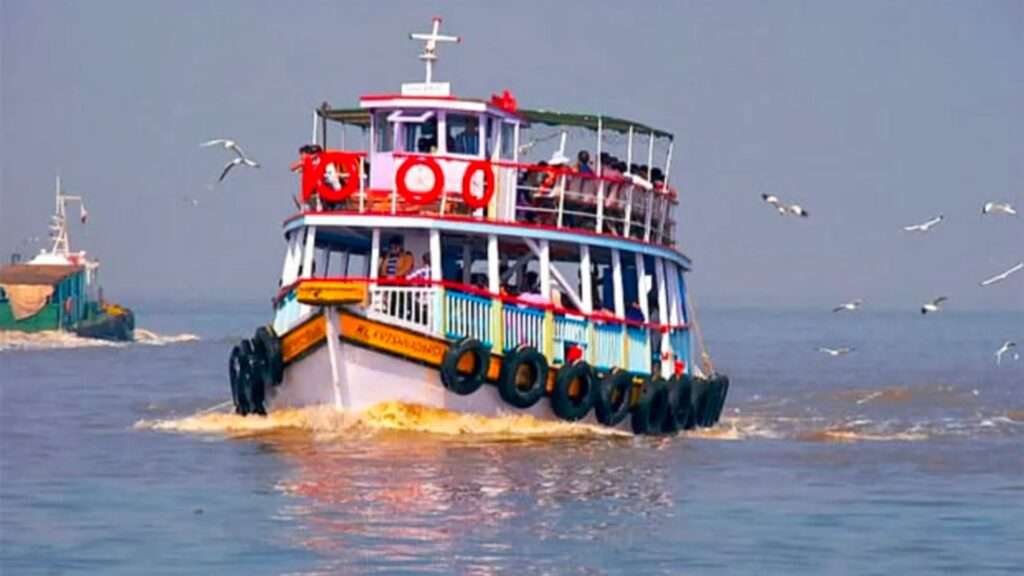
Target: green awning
360,117
352,116
589,121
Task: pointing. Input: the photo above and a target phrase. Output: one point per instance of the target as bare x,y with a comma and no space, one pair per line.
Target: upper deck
427,153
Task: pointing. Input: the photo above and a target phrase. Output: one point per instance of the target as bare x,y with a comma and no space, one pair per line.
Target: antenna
429,55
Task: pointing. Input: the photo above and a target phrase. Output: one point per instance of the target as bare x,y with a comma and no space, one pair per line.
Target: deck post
620,303
641,288
659,274
626,227
494,286
374,254
599,227
435,278
586,281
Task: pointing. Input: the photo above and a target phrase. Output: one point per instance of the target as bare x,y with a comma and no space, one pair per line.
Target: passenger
398,262
583,163
468,141
423,272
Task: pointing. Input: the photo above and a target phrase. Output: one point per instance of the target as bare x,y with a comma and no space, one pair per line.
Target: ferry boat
59,288
451,262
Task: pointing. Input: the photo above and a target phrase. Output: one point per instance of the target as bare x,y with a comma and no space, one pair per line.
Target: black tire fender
253,386
652,407
680,416
461,383
577,378
523,389
236,369
699,396
268,347
612,397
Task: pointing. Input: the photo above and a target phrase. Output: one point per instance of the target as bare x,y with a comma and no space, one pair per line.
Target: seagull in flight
234,147
925,226
933,306
1007,346
835,352
1004,207
782,208
1003,275
851,306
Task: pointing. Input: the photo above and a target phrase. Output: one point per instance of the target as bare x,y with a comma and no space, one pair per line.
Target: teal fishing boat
59,290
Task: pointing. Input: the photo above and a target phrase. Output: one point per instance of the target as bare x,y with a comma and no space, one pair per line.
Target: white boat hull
367,378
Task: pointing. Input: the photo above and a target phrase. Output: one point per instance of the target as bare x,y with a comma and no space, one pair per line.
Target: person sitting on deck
397,262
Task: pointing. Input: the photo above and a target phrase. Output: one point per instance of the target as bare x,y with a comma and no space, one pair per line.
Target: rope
705,358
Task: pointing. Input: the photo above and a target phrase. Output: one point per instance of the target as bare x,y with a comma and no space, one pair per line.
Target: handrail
600,317
602,203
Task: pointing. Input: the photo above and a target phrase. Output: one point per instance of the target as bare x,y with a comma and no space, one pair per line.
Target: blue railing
467,315
523,326
568,332
639,357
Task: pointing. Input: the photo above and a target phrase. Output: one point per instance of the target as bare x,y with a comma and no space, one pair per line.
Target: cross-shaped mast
429,55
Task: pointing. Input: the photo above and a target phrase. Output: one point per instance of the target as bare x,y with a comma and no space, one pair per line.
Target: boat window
463,135
507,141
421,136
383,132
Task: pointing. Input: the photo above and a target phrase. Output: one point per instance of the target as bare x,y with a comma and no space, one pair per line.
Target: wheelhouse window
421,136
508,143
463,134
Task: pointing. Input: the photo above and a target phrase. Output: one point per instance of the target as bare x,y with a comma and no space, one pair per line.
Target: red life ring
419,197
471,200
314,166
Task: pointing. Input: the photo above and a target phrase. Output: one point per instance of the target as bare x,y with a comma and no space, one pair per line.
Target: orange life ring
314,166
471,200
419,197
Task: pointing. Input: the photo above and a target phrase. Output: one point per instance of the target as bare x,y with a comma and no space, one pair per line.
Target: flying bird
236,162
834,352
1007,346
933,306
1003,275
782,208
190,200
1003,207
924,226
851,306
234,147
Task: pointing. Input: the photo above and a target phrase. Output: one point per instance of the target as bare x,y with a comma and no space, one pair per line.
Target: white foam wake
56,340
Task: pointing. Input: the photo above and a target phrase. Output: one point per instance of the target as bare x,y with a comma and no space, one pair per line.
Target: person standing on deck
398,261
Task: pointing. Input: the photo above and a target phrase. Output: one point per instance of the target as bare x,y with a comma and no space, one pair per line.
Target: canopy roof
36,274
361,117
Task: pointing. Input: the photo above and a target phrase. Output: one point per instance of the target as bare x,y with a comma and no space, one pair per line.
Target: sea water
904,457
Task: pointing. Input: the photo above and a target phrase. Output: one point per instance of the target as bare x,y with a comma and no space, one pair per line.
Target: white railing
407,306
524,326
467,316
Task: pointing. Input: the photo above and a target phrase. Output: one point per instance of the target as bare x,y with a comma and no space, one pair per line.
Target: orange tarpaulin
27,299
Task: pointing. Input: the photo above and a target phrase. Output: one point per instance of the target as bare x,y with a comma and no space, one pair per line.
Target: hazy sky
873,115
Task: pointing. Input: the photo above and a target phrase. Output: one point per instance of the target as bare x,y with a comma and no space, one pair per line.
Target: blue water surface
904,457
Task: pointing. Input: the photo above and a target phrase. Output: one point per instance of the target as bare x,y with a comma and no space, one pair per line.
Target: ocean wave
56,340
387,416
153,339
